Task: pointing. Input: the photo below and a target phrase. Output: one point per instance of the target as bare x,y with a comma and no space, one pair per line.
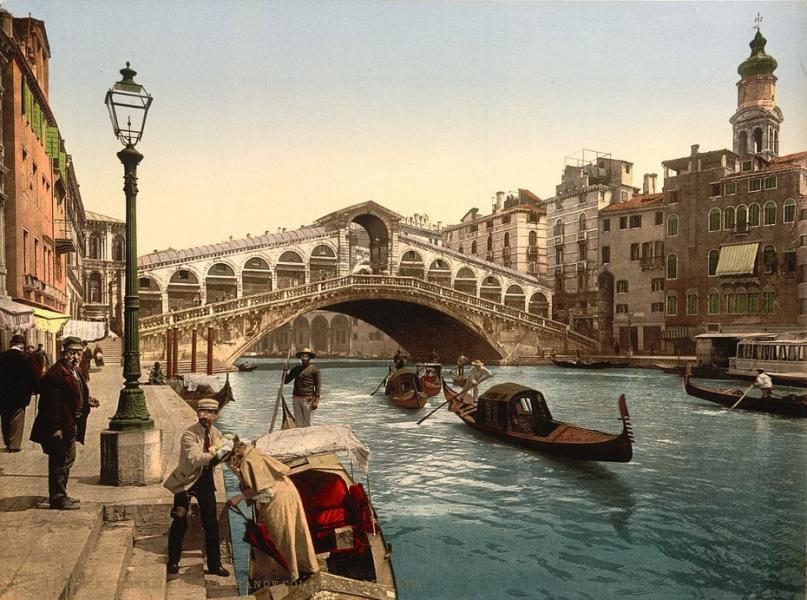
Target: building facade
104,268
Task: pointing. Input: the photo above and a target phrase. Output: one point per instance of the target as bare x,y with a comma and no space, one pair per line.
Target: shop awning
48,320
14,316
680,333
89,331
737,259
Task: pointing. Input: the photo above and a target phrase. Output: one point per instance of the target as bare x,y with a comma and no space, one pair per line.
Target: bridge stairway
112,349
184,365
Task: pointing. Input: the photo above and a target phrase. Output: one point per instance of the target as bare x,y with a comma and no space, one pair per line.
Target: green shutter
43,126
63,166
36,120
26,98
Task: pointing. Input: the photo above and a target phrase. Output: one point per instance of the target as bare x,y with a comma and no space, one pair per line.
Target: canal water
712,506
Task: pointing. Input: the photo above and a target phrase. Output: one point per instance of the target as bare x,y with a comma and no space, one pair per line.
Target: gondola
193,387
581,364
792,405
245,367
519,415
669,368
403,389
431,380
353,556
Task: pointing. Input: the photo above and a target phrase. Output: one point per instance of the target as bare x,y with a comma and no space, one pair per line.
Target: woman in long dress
266,486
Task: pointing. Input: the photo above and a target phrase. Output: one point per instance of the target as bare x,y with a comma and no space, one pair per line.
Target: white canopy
192,381
288,444
14,316
89,331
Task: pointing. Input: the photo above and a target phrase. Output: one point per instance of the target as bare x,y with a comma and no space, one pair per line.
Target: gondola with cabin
403,388
519,415
792,405
431,380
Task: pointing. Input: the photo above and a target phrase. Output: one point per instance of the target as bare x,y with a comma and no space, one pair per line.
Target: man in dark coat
18,380
64,405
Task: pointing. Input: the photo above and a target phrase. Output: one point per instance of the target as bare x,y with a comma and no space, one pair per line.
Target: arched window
95,246
582,222
769,259
753,300
672,225
758,139
741,303
118,248
533,239
742,218
460,249
672,304
558,228
714,256
789,212
473,248
714,219
95,288
743,145
728,218
672,266
753,215
713,305
490,243
506,240
769,214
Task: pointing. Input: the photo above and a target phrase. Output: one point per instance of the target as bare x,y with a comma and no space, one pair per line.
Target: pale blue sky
272,114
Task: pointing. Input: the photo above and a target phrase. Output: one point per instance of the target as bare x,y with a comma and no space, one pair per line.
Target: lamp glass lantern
128,103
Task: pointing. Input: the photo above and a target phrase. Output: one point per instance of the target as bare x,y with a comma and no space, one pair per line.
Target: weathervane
758,20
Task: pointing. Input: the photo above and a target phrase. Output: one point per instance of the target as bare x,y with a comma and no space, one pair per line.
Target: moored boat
403,389
353,557
793,405
245,366
578,363
519,415
431,380
193,387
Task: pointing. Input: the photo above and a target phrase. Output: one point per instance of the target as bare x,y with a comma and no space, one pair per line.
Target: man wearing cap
763,381
201,450
307,385
64,405
18,380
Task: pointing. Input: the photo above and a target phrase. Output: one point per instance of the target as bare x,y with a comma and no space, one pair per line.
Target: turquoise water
712,506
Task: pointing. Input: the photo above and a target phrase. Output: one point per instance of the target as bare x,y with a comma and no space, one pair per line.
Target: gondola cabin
512,407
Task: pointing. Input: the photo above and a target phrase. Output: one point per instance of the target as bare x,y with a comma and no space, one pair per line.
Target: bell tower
756,122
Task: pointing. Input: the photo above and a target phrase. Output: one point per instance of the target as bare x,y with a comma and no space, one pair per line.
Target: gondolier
764,381
307,386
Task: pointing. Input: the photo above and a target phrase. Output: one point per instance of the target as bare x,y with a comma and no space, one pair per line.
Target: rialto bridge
361,261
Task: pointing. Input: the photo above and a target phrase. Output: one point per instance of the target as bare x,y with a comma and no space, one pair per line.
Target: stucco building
103,268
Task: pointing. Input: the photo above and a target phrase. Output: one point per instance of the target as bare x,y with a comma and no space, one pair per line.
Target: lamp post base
132,414
131,457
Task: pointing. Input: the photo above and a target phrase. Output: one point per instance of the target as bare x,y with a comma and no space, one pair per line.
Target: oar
745,393
383,381
279,397
446,402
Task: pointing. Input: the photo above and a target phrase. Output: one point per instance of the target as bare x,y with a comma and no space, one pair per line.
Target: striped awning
14,316
48,320
680,333
737,259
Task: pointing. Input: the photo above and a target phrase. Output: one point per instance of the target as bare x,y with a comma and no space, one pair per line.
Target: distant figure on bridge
307,387
156,375
98,356
398,360
434,357
462,360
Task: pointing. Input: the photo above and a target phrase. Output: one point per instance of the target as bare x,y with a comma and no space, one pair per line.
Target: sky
272,114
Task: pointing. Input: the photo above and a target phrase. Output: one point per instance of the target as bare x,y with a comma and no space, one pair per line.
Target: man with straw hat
202,448
476,375
307,386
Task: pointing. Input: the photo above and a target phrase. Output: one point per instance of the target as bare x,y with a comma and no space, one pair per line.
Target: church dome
758,63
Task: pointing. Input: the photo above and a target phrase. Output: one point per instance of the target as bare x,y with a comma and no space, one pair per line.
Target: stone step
189,583
45,567
145,574
221,587
101,577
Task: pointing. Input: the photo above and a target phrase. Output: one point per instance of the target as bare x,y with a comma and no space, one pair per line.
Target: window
558,228
606,254
489,243
770,182
714,256
728,218
672,304
754,185
505,219
741,305
789,261
769,259
656,307
769,214
634,251
559,283
582,250
489,224
533,238
753,300
460,249
753,215
581,199
672,226
672,266
622,309
558,203
622,286
742,219
473,247
692,303
647,249
606,225
731,302
558,255
672,197
714,219
581,222
657,284
713,307
474,227
623,196
747,164
623,222
730,188
789,215
506,240
635,221
768,301
715,190
659,217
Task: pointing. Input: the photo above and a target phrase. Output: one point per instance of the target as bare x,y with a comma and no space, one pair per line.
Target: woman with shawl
266,486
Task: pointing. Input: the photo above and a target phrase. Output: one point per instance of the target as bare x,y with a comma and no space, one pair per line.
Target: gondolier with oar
307,386
764,381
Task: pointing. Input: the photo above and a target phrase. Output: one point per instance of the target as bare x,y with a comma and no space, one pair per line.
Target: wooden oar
383,381
745,393
279,397
446,402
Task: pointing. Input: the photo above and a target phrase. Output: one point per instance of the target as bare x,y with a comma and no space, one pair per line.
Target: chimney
695,149
499,202
649,184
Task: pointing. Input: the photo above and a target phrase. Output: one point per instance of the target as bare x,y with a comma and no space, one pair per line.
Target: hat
17,339
760,370
478,363
208,404
72,343
306,350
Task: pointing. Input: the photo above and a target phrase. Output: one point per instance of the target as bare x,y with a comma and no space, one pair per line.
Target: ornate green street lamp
128,103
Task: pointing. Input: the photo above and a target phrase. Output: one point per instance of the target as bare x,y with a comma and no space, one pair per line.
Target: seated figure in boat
265,485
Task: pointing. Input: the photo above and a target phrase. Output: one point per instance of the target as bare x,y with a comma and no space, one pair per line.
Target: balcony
33,283
506,252
65,234
532,252
651,263
582,235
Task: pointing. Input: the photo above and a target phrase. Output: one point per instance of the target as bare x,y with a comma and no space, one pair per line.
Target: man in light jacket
202,449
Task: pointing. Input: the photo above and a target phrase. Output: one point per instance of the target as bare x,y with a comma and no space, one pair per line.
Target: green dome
758,63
